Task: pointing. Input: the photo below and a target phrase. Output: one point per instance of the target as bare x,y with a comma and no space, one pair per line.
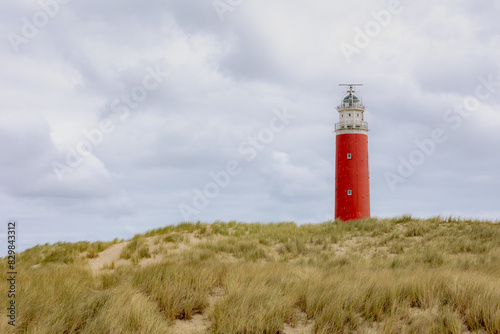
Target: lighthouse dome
351,100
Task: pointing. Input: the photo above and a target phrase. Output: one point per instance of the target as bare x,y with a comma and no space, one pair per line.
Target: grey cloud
225,78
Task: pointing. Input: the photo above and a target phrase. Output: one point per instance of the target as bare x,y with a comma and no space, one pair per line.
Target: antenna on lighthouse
351,86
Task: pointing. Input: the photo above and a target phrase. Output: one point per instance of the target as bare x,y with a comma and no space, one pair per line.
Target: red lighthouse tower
352,183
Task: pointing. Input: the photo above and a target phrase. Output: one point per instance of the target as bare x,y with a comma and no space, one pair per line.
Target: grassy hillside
399,275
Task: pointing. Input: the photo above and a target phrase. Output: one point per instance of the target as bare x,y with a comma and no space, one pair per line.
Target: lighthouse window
348,155
349,115
349,192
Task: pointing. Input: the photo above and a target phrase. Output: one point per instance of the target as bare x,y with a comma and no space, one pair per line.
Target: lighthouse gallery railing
351,125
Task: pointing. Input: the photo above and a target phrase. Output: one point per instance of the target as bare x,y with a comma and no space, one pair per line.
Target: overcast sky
117,116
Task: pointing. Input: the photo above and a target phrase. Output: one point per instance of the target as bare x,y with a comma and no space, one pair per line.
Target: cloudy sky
122,116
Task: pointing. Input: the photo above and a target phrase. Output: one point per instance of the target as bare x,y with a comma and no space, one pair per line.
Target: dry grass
400,275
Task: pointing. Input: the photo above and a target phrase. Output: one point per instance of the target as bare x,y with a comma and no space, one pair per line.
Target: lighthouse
352,183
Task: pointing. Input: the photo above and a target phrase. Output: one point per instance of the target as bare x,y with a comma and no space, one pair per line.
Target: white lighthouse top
351,99
351,110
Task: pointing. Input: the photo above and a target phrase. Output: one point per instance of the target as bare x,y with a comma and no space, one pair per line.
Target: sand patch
108,257
302,326
199,323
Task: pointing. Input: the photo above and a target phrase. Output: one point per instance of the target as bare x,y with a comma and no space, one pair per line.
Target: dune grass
400,275
136,250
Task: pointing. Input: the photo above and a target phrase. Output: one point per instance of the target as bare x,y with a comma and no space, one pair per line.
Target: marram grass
400,275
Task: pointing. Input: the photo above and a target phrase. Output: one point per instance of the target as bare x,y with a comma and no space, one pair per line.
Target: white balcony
351,126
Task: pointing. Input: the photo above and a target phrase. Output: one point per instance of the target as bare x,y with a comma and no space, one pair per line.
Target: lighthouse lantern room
352,183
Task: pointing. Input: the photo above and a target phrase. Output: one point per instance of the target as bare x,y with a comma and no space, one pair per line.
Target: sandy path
108,256
112,254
